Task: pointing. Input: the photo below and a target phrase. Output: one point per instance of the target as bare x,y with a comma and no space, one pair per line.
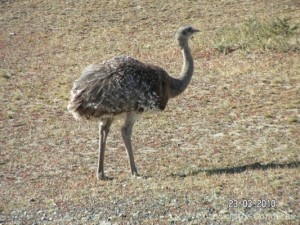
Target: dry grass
259,35
233,135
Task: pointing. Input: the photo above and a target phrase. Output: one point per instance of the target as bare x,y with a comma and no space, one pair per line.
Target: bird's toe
101,176
136,175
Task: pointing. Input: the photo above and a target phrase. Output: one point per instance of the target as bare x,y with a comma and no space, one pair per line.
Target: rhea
124,87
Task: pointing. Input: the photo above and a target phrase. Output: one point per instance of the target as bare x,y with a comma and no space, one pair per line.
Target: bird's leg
103,132
126,134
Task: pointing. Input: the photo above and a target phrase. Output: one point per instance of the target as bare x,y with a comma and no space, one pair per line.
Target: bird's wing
116,86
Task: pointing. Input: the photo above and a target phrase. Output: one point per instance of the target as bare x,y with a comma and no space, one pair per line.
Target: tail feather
75,102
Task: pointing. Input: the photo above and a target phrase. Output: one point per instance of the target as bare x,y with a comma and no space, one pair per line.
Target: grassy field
227,151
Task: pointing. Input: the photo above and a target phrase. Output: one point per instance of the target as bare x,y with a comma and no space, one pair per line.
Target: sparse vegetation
233,135
259,35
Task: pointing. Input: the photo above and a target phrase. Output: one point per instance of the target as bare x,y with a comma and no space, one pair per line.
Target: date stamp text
249,203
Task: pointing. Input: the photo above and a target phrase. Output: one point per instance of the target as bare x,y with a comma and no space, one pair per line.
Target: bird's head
184,33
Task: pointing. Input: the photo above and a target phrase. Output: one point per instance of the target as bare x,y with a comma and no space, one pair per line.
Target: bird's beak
195,30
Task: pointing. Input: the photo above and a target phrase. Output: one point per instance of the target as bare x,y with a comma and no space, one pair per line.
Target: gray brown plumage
119,85
125,87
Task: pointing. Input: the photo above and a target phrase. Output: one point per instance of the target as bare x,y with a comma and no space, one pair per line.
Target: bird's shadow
239,169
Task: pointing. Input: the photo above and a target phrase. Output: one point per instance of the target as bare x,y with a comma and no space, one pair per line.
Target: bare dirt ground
224,152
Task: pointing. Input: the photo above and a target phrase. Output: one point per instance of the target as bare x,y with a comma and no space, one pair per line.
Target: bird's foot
135,174
101,176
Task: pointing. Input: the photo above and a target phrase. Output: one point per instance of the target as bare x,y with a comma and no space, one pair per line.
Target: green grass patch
258,34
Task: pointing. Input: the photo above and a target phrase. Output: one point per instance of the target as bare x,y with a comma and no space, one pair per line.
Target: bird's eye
190,29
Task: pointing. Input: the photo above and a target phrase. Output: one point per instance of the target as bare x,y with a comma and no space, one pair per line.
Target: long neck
179,85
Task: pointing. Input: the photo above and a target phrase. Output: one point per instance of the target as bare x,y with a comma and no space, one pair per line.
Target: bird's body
117,86
127,88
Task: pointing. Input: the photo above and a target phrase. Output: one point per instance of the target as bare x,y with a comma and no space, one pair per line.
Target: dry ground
232,136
